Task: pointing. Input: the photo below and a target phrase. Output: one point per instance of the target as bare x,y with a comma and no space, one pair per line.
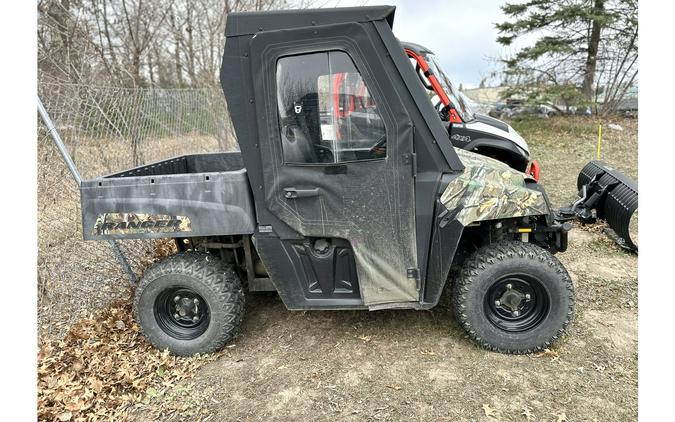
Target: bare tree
175,43
142,20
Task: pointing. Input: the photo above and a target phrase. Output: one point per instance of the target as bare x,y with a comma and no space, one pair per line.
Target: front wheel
513,297
189,303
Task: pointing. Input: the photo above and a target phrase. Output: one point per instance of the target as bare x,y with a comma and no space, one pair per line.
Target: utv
371,209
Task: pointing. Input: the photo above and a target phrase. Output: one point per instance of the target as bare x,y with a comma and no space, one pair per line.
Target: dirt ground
419,365
413,365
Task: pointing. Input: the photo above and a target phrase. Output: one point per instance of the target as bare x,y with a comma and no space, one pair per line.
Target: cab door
337,148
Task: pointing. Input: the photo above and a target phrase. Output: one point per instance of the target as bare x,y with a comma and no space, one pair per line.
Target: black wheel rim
182,313
517,303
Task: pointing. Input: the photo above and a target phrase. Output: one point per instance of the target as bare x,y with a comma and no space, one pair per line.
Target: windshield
463,109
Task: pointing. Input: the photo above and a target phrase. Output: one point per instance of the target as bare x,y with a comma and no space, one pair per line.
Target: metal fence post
59,142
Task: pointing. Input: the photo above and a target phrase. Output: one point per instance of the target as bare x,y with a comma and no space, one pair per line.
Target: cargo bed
185,196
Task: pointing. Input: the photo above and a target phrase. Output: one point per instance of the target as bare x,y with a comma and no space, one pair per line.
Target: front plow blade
613,196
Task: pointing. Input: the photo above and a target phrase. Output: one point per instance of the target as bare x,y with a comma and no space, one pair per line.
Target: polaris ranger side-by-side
371,209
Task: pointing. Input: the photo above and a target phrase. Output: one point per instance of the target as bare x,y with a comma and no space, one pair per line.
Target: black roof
247,23
416,48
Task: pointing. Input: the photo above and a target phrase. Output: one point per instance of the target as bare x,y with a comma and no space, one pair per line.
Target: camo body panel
490,190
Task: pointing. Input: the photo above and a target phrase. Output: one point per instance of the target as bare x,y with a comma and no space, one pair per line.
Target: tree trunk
593,44
177,45
151,69
136,68
190,47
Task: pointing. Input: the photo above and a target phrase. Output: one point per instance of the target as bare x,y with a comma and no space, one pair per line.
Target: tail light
535,169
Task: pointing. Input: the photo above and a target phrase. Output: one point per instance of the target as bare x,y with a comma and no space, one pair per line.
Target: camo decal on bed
490,190
127,223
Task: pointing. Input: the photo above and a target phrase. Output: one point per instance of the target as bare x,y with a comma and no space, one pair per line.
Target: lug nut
176,316
176,299
498,303
516,313
196,301
509,286
527,296
195,318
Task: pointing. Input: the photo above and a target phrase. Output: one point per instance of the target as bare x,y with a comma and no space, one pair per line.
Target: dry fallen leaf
98,369
428,352
365,338
548,353
528,414
489,411
394,386
562,417
65,416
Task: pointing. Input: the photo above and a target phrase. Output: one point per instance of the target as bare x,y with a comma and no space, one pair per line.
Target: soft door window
326,112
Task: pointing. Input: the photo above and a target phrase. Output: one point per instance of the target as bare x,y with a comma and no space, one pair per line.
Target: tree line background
138,43
585,53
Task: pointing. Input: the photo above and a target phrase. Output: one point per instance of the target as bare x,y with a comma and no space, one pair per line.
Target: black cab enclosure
361,179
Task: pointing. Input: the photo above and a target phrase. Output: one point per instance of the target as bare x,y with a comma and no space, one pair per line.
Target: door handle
293,193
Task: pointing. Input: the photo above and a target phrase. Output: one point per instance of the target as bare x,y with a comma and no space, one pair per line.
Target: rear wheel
189,303
513,297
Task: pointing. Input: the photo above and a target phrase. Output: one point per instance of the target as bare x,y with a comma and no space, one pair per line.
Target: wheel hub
187,308
516,303
512,300
182,313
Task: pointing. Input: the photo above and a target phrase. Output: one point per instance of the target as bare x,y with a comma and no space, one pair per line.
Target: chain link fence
108,129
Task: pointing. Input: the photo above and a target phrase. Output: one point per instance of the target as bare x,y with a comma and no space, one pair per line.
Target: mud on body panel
488,190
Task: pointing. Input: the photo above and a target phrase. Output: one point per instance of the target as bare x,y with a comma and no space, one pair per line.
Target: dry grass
564,145
100,156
